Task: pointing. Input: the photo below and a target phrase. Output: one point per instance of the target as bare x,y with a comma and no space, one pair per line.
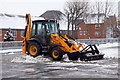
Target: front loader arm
27,33
77,47
63,42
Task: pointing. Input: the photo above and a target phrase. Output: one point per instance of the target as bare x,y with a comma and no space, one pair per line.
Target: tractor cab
43,38
41,29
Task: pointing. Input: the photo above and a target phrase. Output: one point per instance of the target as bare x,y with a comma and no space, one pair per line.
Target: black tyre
56,54
34,49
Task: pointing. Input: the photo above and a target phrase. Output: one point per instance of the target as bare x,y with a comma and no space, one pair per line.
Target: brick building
17,33
15,22
90,27
107,28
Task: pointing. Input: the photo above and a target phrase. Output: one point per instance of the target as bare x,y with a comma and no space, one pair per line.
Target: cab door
39,32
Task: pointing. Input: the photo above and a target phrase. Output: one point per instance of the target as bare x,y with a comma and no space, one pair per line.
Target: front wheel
34,49
56,54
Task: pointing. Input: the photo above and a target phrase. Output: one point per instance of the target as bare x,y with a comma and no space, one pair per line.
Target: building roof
53,14
58,15
12,21
15,21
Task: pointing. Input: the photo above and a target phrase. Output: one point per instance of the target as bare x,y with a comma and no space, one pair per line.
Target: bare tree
74,10
109,8
105,8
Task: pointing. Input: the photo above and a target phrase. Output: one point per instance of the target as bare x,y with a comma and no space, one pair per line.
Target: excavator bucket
89,53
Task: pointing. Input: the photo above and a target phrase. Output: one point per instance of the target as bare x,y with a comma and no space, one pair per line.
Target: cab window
33,29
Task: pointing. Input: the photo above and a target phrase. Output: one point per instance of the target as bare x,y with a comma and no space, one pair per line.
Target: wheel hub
33,50
55,54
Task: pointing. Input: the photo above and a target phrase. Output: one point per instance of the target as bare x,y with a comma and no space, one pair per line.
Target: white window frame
81,32
22,33
79,28
97,34
97,26
84,32
13,32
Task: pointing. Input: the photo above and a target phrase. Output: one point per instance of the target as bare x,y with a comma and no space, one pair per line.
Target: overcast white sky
34,7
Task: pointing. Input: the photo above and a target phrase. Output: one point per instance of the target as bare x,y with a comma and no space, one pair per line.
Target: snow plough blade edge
89,53
92,57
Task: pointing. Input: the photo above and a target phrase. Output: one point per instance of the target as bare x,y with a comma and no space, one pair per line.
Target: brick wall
90,31
11,45
86,31
82,32
18,36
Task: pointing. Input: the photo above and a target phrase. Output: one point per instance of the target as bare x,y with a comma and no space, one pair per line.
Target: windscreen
41,28
53,27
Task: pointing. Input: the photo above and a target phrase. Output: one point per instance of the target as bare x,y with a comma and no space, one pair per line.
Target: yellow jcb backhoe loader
43,37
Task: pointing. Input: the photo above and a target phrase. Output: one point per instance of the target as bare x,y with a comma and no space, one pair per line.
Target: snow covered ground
109,49
14,63
10,51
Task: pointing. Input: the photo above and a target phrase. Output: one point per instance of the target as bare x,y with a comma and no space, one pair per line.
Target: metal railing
99,41
11,45
18,44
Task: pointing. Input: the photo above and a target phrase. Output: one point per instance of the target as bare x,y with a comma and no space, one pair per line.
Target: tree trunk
72,24
68,25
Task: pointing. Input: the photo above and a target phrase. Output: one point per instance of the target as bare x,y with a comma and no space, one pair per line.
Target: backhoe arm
27,33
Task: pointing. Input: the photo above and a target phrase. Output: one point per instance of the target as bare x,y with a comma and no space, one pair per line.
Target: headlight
75,43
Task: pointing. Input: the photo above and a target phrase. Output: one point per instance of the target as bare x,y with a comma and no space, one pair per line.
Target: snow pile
63,68
29,59
12,21
10,50
110,50
71,64
9,53
108,45
42,59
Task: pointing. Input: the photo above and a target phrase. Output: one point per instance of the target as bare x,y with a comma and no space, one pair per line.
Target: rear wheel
34,49
56,54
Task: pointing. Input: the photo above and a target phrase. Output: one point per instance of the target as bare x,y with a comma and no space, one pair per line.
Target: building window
97,34
22,33
0,32
80,32
79,28
70,33
97,26
84,32
14,32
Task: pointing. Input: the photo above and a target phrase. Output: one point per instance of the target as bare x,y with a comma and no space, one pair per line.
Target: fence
99,41
11,45
18,44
